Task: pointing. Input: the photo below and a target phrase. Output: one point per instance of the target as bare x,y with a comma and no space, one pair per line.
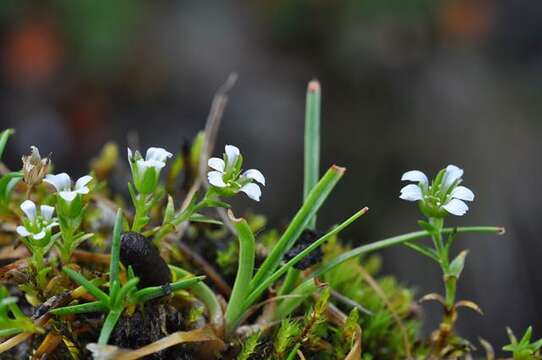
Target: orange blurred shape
466,20
32,52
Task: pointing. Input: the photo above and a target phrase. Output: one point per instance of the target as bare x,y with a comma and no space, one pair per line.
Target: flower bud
34,167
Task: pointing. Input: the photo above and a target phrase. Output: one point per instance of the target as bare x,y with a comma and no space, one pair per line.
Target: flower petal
39,235
462,193
130,154
21,230
142,165
215,179
47,211
157,154
61,181
252,190
232,152
82,182
456,207
416,176
411,192
68,195
452,174
29,208
84,190
216,164
255,175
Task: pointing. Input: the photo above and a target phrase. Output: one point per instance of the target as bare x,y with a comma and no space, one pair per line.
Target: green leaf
312,204
204,219
115,248
153,292
241,287
457,265
312,142
95,306
424,250
108,326
4,136
169,213
7,183
91,288
217,203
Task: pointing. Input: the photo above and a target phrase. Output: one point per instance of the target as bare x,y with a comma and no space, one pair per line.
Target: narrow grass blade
108,326
312,164
154,292
245,269
94,306
115,248
4,136
89,286
312,204
312,142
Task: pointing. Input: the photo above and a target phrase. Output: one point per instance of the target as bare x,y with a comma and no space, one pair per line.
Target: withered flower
34,167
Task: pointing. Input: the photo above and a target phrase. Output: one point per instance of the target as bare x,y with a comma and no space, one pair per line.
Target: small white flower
37,224
447,194
63,185
155,160
227,174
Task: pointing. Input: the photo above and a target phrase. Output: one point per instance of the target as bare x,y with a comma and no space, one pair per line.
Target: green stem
183,216
450,284
241,287
140,218
65,250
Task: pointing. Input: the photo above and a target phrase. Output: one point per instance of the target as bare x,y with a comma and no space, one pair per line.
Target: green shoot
114,302
249,346
12,319
524,349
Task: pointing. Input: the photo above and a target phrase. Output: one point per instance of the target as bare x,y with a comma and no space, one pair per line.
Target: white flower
146,172
227,174
37,224
63,185
445,194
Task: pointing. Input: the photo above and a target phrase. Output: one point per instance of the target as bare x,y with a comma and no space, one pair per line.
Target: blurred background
415,84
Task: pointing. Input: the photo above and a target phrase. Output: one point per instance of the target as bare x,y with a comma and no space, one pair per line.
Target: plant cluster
295,293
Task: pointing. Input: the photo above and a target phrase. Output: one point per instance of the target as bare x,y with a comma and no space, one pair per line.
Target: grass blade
89,286
4,136
312,204
115,248
312,142
94,306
